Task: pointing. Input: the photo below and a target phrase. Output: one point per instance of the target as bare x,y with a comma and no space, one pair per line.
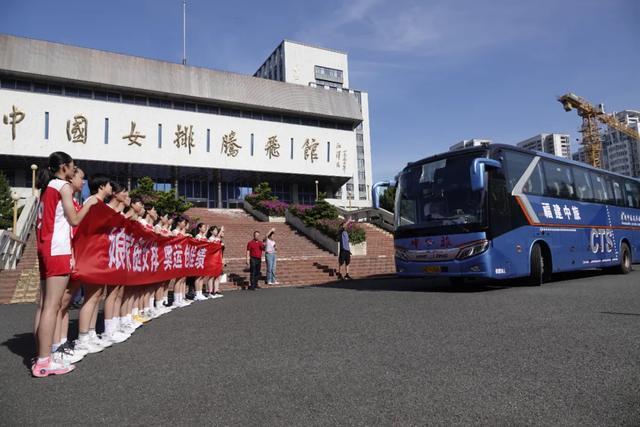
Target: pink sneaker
50,367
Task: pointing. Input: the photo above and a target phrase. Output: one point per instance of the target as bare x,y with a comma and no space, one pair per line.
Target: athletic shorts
54,265
344,257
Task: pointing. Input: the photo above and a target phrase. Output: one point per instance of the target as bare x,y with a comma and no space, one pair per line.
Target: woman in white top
270,257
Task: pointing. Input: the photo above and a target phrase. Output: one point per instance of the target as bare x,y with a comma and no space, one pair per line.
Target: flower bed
272,207
324,217
331,227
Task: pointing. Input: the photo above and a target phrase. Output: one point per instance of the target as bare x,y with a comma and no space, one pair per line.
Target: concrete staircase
300,261
23,283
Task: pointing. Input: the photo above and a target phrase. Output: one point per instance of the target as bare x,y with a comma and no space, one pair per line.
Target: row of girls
126,308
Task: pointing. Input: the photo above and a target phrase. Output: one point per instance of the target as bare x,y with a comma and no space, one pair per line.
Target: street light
15,198
34,168
316,190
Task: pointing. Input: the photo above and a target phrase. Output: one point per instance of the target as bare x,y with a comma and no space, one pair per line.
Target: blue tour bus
499,212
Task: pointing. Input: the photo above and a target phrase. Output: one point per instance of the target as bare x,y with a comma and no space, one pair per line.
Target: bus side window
583,184
559,181
618,192
600,188
534,184
632,190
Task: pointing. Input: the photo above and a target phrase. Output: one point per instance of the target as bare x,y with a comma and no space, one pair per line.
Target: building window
328,151
361,176
208,140
252,144
292,148
360,163
106,130
362,189
159,135
46,125
328,74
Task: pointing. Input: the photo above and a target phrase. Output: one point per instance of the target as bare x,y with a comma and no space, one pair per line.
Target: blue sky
436,71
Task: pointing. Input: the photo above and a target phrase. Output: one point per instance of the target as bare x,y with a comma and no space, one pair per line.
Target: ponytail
48,172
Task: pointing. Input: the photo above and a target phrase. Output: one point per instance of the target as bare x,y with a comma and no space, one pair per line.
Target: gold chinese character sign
230,145
134,136
77,130
184,137
310,148
272,146
14,117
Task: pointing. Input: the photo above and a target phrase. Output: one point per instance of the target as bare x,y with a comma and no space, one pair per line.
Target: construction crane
590,130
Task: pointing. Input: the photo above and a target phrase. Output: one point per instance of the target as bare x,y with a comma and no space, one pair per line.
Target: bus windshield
438,194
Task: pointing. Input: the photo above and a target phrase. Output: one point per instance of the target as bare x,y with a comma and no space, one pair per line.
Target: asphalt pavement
380,352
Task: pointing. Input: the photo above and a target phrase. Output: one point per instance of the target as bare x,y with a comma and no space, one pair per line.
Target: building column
219,193
294,192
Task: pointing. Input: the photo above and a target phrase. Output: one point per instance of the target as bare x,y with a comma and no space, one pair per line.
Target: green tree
163,200
6,203
388,199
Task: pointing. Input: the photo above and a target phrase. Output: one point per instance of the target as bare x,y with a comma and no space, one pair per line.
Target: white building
580,155
552,143
466,143
621,153
327,69
212,135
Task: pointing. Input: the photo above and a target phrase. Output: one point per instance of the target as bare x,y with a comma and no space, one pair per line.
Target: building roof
55,61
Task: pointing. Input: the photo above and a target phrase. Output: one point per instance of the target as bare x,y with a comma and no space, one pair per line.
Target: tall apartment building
466,143
327,69
552,143
579,155
621,153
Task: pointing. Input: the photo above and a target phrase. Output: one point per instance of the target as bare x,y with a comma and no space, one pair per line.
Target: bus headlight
473,249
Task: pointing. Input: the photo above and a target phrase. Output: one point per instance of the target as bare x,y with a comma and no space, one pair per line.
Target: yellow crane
590,131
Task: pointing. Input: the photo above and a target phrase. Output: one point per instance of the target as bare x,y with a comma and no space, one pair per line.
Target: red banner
110,249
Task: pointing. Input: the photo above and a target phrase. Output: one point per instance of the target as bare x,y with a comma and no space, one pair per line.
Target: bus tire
625,259
537,274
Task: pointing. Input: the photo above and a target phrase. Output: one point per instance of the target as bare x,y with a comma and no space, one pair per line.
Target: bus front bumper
475,266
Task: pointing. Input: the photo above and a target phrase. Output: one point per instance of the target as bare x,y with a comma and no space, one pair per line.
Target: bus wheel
625,259
537,276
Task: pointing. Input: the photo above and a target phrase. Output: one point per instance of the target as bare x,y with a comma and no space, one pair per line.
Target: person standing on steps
255,248
270,257
344,251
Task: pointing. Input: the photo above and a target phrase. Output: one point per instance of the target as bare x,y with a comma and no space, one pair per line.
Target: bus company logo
601,240
626,218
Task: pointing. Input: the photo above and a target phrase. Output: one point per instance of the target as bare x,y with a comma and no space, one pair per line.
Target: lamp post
15,198
316,190
34,168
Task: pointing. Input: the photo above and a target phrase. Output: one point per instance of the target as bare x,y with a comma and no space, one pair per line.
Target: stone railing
380,217
12,242
321,239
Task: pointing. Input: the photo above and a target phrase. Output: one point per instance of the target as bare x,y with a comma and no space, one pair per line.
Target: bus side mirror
478,167
375,193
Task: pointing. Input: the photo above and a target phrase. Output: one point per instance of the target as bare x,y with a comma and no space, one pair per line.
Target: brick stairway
300,261
22,284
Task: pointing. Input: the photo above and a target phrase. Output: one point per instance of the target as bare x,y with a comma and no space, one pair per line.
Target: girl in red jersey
163,228
201,235
180,287
213,284
56,215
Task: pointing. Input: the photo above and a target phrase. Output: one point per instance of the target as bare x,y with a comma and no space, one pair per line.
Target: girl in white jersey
56,215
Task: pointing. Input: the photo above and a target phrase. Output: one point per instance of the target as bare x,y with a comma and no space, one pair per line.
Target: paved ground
384,352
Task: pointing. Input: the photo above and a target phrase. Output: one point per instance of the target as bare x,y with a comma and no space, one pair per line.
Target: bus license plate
432,269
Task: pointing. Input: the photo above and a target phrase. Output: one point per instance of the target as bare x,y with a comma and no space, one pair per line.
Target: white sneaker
163,310
117,337
127,328
152,312
217,296
87,346
101,341
67,356
200,298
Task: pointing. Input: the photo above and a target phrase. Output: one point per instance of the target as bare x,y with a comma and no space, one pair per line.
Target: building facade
620,152
466,143
327,69
552,143
209,135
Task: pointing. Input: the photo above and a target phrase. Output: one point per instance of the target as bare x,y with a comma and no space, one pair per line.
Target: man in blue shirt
344,253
